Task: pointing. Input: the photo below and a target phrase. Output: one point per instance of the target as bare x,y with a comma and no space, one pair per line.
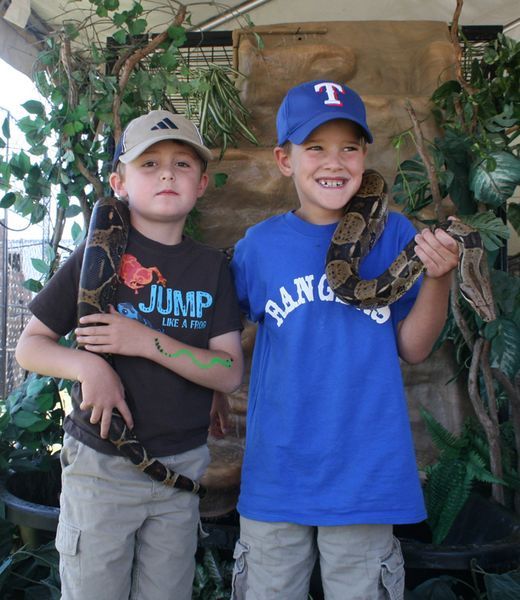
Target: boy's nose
168,175
334,160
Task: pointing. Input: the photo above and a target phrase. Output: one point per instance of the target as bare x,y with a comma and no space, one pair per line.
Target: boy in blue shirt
329,464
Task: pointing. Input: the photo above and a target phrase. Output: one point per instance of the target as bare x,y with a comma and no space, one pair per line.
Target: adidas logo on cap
156,126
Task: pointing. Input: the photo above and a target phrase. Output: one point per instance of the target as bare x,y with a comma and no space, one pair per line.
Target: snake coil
358,231
106,242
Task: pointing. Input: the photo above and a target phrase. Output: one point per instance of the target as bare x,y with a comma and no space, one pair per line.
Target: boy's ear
117,184
203,184
283,160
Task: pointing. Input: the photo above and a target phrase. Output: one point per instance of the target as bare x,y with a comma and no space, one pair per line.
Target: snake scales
106,243
358,231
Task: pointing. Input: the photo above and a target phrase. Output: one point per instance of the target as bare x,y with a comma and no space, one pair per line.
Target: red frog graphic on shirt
135,276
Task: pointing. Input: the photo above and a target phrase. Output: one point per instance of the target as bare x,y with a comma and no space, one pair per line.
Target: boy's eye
149,163
183,163
315,147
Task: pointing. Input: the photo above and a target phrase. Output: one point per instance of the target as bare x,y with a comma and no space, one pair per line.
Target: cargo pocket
239,581
67,544
392,572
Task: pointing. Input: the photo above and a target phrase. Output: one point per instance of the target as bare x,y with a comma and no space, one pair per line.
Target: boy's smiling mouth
332,183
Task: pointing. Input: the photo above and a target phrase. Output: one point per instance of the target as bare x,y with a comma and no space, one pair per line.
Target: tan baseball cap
156,126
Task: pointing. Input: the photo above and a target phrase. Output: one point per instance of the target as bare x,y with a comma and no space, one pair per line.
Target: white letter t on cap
331,89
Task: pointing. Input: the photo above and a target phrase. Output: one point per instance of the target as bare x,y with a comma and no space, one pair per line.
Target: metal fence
16,267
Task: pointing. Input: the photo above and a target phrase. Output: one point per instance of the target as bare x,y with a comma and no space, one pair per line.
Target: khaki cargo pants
274,561
121,535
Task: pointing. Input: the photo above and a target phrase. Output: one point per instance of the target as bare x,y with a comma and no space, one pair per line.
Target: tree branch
490,428
130,64
420,144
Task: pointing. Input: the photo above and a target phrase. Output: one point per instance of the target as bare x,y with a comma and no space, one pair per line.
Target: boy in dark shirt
121,534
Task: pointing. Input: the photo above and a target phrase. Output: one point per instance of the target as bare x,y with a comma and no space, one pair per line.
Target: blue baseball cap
309,105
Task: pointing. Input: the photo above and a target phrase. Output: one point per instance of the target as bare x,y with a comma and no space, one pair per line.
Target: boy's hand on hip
438,251
219,415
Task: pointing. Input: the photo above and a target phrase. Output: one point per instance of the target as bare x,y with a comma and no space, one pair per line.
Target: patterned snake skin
358,231
106,243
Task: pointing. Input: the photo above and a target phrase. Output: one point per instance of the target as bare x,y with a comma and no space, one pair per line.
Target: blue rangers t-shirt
328,437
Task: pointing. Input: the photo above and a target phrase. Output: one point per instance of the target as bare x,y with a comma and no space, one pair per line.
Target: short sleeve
226,316
238,268
56,304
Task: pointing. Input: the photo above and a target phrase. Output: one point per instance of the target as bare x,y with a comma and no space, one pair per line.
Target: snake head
475,282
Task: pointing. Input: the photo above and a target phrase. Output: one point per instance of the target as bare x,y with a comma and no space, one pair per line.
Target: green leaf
32,285
72,211
24,418
38,213
120,36
8,200
439,588
506,290
20,164
40,265
36,385
137,27
493,231
34,107
177,34
168,60
220,179
69,129
505,348
513,214
495,187
77,233
505,586
6,131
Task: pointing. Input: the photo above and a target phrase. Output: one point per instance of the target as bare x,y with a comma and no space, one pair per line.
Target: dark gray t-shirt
184,291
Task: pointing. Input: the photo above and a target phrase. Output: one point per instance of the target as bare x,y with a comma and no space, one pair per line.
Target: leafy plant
476,163
503,586
31,425
463,460
212,576
93,85
27,572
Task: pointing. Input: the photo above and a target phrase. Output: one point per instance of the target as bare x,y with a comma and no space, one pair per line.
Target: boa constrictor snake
358,231
99,277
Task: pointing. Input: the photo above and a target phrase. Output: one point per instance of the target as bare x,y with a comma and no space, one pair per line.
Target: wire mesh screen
478,39
15,298
197,54
17,248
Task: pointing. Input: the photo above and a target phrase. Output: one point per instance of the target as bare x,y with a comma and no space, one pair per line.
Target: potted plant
472,170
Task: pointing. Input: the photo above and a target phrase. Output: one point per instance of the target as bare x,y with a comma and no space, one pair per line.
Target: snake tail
130,447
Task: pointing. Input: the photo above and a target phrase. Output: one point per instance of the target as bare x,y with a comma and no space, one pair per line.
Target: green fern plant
212,577
463,460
